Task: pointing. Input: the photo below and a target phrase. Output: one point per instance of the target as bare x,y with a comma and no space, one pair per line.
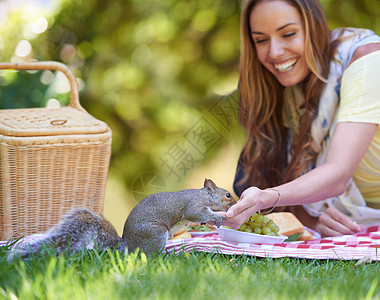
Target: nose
276,49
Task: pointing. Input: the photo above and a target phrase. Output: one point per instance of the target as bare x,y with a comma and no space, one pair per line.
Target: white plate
200,233
235,236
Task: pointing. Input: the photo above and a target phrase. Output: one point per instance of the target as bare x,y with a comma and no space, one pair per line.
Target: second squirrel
148,227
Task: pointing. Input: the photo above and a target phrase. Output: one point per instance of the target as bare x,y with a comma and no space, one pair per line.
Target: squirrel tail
79,229
26,249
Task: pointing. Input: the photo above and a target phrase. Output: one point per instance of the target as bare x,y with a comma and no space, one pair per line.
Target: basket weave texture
51,160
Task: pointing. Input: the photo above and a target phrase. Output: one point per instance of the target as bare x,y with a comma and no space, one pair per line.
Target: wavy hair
264,157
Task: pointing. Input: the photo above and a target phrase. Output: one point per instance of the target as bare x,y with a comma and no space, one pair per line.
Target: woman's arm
349,143
348,146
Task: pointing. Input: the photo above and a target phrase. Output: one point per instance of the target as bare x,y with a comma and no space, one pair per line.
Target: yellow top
360,102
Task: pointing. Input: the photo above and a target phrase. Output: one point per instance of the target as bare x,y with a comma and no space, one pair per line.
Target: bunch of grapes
260,224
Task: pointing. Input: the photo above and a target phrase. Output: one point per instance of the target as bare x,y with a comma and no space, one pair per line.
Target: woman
311,107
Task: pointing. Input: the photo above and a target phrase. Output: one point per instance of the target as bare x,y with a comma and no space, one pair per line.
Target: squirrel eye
228,195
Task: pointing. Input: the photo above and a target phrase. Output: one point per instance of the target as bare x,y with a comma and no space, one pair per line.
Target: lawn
197,275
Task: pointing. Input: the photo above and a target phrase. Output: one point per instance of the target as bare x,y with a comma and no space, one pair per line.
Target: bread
306,236
192,224
181,230
287,222
183,235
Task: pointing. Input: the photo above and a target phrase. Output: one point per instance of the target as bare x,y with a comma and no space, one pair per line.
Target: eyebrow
278,29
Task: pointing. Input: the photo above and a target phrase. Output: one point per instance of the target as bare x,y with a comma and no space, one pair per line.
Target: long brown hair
264,157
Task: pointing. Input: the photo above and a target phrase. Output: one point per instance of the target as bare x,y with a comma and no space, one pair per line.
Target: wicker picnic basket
51,160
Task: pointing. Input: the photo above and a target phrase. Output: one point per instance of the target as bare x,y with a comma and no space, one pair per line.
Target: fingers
236,221
232,223
326,231
235,209
245,202
241,208
335,223
334,226
342,219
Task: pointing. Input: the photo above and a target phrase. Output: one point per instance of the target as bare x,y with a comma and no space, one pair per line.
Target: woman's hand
251,200
335,223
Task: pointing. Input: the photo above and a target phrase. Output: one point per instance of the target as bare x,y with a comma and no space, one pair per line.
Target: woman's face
279,36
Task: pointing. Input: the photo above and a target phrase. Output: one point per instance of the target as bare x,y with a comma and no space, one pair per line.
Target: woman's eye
260,41
289,34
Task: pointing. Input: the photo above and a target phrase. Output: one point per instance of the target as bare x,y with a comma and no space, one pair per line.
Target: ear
210,184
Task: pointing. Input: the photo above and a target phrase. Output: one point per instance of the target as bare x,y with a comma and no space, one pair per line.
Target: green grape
249,230
274,228
266,230
257,226
260,218
257,230
268,221
243,227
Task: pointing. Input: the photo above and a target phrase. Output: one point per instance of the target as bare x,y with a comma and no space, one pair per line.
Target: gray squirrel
148,227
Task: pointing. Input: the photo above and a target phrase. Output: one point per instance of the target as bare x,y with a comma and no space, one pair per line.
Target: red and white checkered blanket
347,247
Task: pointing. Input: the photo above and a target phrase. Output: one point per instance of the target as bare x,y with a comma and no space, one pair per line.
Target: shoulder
364,50
353,43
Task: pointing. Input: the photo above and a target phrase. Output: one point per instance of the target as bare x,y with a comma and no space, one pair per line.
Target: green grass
108,275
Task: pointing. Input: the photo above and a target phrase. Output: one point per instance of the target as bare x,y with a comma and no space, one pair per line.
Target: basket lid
49,121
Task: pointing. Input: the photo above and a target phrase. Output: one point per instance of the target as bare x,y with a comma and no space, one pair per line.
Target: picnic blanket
365,244
347,247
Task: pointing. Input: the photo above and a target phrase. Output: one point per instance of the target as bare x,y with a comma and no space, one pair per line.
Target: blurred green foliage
155,71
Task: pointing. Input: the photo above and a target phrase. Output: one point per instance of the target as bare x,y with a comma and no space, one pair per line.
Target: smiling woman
309,104
280,50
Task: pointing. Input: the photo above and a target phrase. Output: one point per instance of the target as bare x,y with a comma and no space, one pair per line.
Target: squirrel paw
219,220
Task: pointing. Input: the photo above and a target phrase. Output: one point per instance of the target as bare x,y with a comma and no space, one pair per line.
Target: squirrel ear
210,184
206,182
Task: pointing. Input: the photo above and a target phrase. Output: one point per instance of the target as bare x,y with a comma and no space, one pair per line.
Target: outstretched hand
331,223
243,209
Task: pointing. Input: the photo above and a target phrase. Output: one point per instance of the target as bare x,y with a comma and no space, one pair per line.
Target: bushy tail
27,248
79,229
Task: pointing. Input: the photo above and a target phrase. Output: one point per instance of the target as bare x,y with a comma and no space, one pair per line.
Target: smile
283,67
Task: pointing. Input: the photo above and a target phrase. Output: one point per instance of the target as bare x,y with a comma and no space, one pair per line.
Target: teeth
285,66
